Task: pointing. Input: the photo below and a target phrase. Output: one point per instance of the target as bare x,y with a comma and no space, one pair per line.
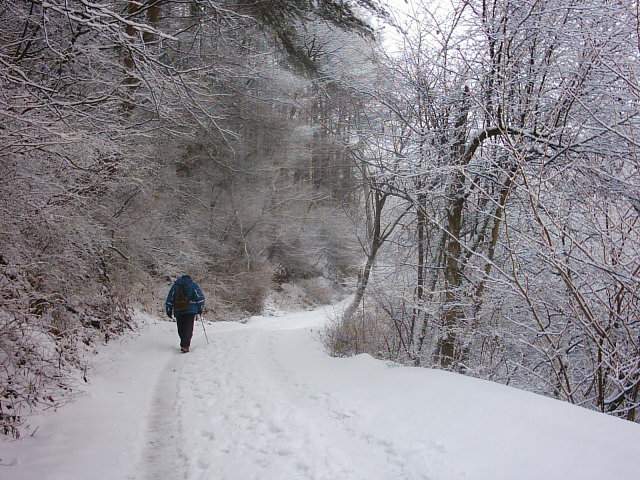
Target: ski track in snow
162,451
264,401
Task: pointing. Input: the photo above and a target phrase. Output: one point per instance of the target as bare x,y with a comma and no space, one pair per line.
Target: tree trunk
419,291
447,347
363,281
153,11
379,200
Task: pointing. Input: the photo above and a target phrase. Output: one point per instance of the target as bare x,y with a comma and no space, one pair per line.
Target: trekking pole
205,330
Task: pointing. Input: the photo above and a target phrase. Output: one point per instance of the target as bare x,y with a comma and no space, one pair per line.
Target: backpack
182,299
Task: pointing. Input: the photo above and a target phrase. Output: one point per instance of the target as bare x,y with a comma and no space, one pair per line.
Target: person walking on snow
185,301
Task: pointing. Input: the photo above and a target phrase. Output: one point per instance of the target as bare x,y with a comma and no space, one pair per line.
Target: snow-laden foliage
509,146
141,140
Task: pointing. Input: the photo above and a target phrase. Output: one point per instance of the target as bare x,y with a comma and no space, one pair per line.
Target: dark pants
185,328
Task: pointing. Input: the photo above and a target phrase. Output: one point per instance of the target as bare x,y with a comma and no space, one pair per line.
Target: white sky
401,12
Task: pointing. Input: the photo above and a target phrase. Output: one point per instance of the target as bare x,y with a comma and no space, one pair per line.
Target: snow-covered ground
263,401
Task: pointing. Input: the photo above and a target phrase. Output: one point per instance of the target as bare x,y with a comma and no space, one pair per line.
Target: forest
467,170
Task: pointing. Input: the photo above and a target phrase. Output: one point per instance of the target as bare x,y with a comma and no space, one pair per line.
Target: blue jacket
197,300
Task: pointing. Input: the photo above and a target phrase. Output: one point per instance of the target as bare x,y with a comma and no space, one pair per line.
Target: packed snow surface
264,401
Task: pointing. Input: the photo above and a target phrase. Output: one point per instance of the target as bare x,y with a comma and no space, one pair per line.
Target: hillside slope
264,401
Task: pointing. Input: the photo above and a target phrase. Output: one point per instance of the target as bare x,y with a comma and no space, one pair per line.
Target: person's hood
184,280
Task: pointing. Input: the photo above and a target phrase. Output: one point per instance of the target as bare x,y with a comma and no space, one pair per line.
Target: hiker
185,301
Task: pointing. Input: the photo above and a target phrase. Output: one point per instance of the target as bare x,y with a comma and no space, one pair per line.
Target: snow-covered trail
263,401
256,410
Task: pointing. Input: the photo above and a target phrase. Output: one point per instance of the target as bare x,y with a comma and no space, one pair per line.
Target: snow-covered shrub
246,291
302,294
370,331
320,290
46,329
